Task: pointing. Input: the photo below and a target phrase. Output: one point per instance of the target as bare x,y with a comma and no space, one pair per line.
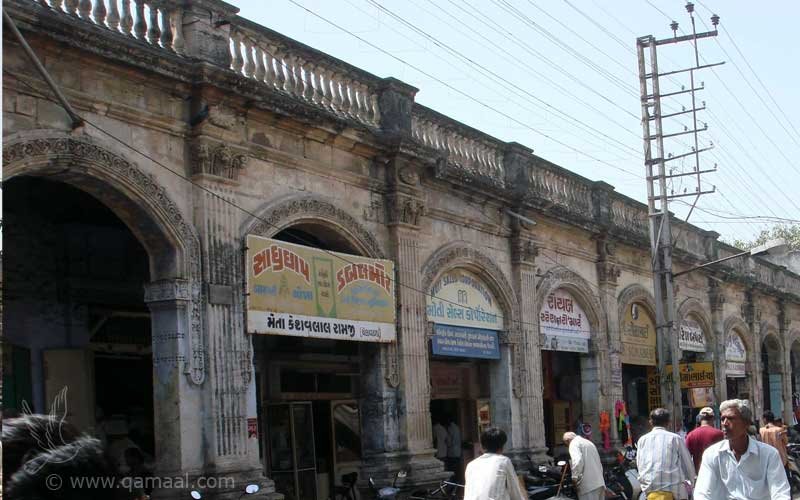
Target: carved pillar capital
167,291
217,159
716,295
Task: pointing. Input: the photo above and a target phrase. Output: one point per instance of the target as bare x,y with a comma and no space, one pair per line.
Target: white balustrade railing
308,77
629,217
155,22
563,190
476,156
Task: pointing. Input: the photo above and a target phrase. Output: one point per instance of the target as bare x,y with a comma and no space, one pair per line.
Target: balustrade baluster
291,80
368,112
153,32
178,42
113,15
297,76
237,62
250,64
376,112
330,89
85,9
358,108
347,103
260,69
127,19
308,82
338,94
167,13
71,6
100,12
269,65
280,76
139,26
319,90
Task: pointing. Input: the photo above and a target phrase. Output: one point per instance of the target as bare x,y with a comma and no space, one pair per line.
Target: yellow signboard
638,337
694,374
305,292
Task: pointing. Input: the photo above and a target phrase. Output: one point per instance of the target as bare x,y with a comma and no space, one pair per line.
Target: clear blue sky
565,72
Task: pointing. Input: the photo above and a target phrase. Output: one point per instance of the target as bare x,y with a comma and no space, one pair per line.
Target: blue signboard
465,342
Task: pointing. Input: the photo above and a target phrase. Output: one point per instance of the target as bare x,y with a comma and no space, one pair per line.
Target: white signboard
563,324
460,298
691,337
735,356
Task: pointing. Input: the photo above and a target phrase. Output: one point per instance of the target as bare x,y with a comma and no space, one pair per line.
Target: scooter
387,492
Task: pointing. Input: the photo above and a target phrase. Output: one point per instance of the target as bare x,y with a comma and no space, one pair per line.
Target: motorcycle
251,489
793,466
387,492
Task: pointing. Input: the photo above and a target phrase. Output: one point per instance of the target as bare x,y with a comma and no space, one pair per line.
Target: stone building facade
203,127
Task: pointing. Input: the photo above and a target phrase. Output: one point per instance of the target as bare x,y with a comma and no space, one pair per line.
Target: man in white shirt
454,448
663,460
491,476
587,469
440,439
739,467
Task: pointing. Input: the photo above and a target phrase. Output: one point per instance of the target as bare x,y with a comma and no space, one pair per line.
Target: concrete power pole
659,193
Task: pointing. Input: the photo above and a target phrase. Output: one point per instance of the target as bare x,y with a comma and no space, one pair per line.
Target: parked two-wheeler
251,489
387,492
793,466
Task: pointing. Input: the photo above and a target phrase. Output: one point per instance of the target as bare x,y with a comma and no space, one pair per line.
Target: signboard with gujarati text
735,356
638,337
563,324
691,336
694,374
465,342
460,298
306,292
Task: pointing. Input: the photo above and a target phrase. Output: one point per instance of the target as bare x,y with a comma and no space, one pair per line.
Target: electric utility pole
659,193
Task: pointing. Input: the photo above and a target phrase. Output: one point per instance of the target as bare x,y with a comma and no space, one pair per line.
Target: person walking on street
775,435
587,470
740,467
663,461
491,476
703,436
440,439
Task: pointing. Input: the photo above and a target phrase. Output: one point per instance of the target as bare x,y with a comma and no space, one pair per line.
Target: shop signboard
653,389
694,374
460,298
691,336
638,337
563,324
735,356
306,292
465,342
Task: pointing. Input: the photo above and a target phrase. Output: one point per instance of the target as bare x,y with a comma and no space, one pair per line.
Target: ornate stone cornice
281,214
404,209
217,159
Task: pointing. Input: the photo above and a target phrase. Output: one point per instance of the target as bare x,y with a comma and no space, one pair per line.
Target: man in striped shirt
663,460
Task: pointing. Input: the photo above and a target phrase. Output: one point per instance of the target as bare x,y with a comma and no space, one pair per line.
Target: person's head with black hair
79,470
26,436
769,417
660,417
493,440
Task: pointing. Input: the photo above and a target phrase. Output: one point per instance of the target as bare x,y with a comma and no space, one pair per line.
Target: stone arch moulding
767,329
460,254
635,293
136,198
735,323
563,277
279,214
695,307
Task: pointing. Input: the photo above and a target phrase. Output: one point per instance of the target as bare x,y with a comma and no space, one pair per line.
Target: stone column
611,389
752,316
177,402
527,357
716,299
786,365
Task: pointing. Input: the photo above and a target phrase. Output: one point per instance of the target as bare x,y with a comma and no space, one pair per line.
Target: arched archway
329,392
639,357
572,326
741,361
469,303
142,206
772,372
